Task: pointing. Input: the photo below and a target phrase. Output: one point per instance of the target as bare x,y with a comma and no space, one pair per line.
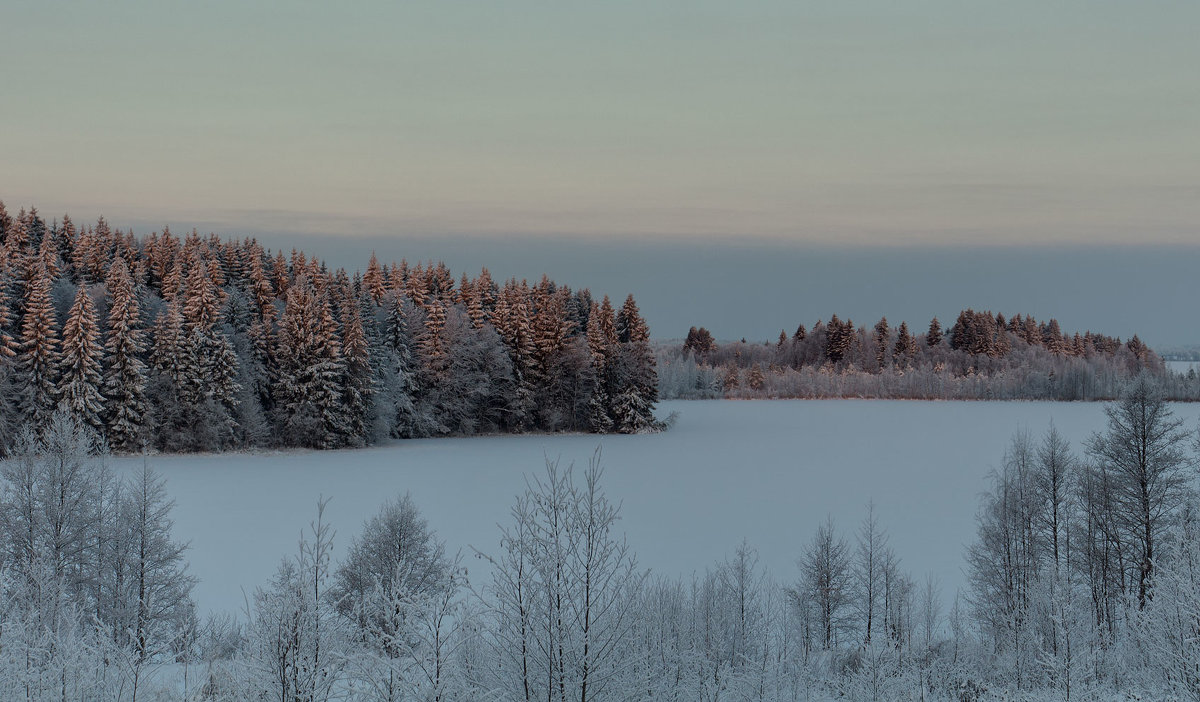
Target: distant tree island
980,356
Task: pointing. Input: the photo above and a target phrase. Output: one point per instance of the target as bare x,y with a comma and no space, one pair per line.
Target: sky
928,131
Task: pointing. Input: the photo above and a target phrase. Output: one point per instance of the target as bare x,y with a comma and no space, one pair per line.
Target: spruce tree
65,236
173,354
9,416
79,255
399,343
202,304
219,371
1001,344
881,338
1053,339
934,336
551,328
125,375
7,224
280,276
37,372
308,390
359,384
602,340
47,255
431,343
172,280
630,325
1030,331
483,298
839,339
905,348
512,320
81,363
13,253
8,344
260,288
636,383
373,280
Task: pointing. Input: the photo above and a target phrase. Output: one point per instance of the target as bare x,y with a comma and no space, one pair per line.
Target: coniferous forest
981,356
192,343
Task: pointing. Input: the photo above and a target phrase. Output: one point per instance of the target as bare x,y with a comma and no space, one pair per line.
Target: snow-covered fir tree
359,392
308,388
635,385
905,348
934,336
38,362
602,345
79,374
401,366
8,343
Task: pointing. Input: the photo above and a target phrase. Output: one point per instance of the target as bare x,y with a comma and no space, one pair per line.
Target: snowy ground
1183,366
767,471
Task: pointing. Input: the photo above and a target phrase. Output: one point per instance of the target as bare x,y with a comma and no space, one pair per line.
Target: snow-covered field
1183,366
766,471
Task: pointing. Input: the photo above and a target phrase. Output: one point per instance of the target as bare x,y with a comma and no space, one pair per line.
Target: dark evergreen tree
308,391
80,364
635,390
839,339
602,345
37,372
934,336
906,347
881,338
359,385
8,344
406,386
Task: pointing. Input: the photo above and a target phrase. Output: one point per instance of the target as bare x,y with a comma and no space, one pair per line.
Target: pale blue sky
861,122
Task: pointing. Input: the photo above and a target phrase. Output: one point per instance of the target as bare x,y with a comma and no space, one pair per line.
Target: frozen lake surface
766,471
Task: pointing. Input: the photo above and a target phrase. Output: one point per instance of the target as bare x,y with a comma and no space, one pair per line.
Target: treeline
197,344
1083,584
982,356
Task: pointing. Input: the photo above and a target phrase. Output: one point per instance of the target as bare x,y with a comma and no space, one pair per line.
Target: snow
766,471
1183,366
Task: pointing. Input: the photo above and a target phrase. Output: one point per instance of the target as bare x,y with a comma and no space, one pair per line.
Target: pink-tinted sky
866,122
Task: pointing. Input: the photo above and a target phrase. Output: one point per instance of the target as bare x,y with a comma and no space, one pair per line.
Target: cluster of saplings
1085,573
193,344
982,356
1084,584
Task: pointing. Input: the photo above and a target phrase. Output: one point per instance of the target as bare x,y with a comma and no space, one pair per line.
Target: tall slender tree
125,373
1144,454
934,336
37,377
359,384
635,386
80,365
308,390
